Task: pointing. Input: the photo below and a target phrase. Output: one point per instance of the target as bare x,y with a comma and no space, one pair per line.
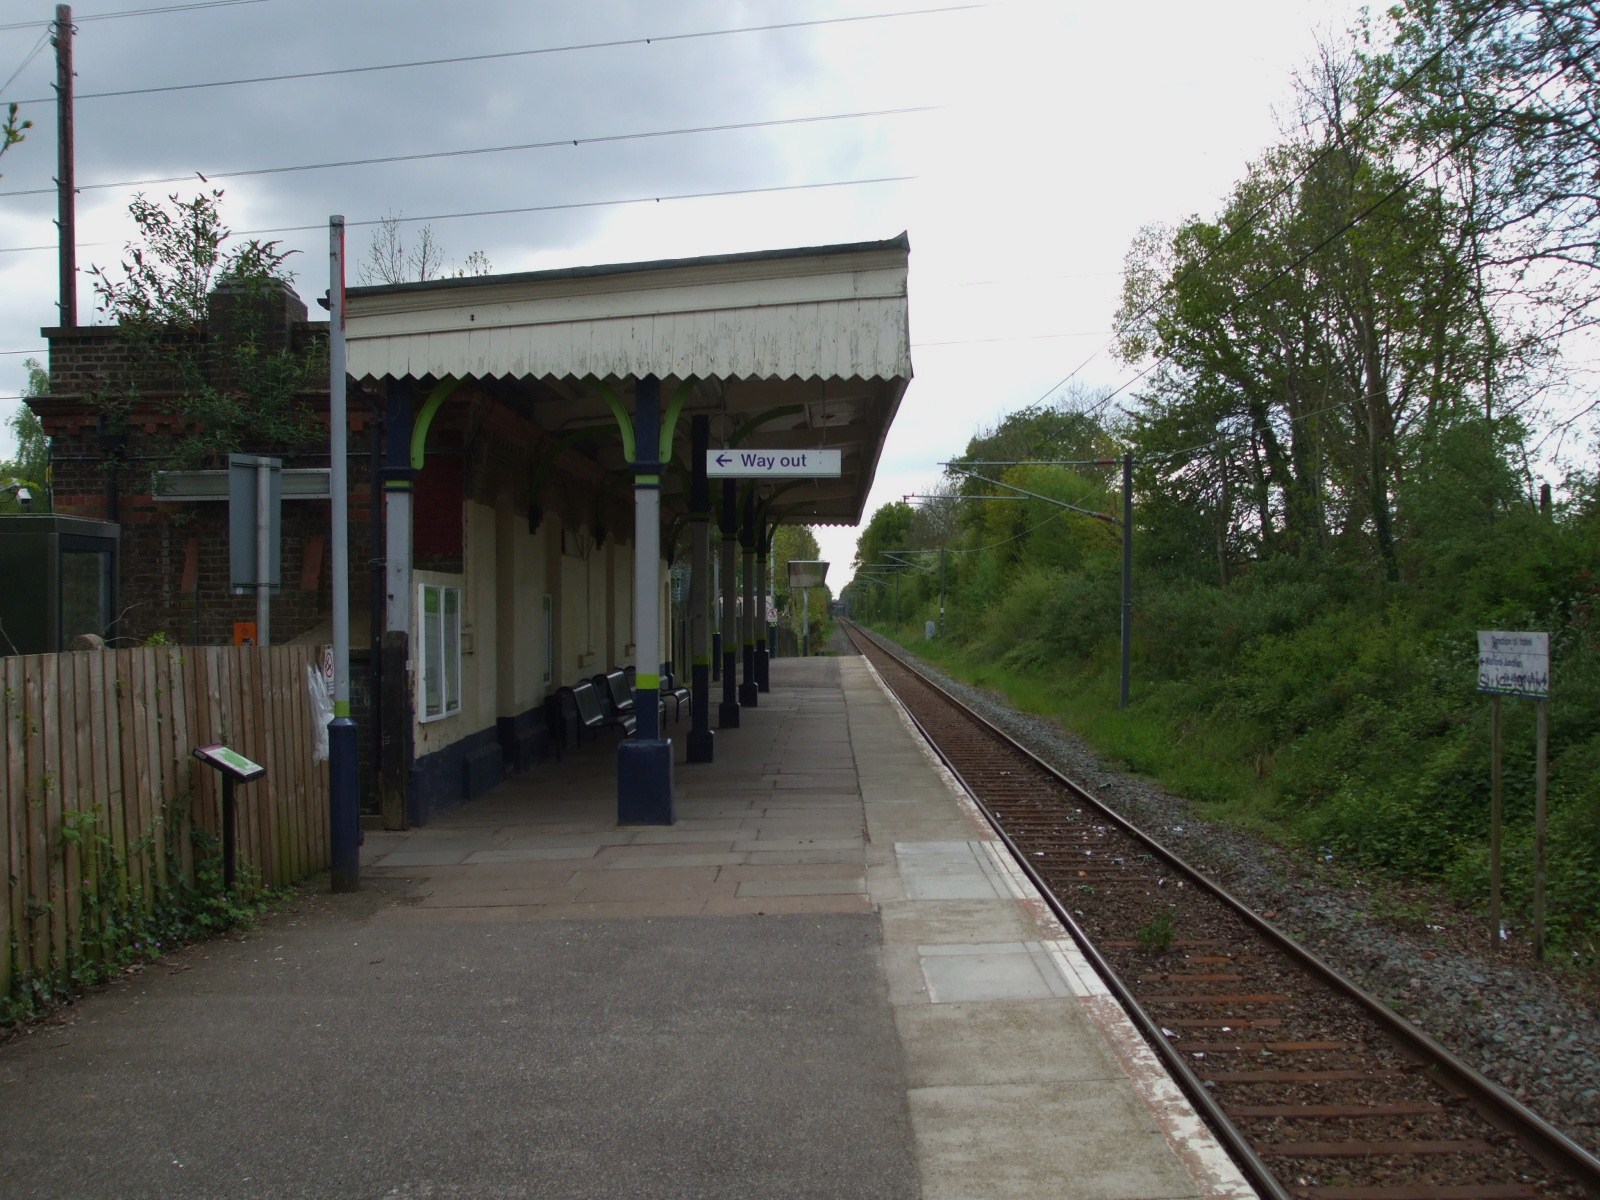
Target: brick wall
170,551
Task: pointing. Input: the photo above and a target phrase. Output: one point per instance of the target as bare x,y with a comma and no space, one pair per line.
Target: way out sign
772,464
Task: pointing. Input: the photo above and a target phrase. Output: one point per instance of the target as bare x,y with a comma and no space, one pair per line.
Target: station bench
580,708
605,702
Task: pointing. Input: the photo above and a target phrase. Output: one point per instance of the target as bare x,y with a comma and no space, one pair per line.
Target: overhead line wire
44,38
1255,214
532,208
135,12
615,43
732,127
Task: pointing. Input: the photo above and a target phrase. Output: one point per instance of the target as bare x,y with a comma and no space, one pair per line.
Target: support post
1127,578
230,835
805,622
749,690
728,710
941,591
1541,788
702,741
397,477
763,556
344,756
1496,820
716,603
644,761
263,552
66,182
396,702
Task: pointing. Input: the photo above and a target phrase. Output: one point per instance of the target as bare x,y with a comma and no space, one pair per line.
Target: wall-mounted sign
1514,664
773,464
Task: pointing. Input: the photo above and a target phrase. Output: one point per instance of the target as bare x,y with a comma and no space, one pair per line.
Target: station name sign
1514,664
773,464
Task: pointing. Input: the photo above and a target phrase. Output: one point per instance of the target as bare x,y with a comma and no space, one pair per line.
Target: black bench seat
583,702
617,689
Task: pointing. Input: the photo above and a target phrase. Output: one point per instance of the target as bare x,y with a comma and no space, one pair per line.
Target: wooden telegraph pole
66,185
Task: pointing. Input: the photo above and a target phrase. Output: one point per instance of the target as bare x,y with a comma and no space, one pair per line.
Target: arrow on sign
723,460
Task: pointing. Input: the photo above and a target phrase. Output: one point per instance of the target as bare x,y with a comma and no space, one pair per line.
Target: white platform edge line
1188,1135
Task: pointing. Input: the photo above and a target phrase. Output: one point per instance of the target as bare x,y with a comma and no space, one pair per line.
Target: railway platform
826,980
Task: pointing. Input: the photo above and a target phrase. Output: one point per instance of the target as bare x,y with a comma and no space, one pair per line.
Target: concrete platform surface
825,979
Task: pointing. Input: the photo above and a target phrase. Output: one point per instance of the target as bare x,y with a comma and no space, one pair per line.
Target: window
440,644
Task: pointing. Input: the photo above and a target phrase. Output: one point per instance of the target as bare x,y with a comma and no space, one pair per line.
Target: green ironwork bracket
430,408
669,426
620,412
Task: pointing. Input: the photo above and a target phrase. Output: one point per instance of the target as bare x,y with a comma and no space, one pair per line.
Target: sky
1022,144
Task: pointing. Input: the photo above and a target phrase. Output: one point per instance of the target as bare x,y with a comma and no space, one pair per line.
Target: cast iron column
763,544
702,747
749,690
728,711
644,761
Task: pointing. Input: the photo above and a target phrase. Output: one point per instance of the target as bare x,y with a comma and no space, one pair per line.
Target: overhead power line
1256,213
136,12
733,127
44,39
533,208
457,60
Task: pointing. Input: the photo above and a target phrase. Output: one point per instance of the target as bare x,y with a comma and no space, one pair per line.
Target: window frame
438,651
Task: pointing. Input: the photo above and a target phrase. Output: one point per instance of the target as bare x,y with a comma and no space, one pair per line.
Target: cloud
1057,130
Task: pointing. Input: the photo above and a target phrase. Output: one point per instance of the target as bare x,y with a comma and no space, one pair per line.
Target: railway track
1317,1089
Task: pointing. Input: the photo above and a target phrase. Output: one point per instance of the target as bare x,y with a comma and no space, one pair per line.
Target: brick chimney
269,312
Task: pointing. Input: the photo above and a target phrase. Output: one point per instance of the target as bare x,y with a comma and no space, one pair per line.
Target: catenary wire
1251,217
613,44
44,39
135,12
731,127
533,208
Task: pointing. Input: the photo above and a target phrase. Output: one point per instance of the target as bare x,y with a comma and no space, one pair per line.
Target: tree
232,387
31,466
796,543
12,130
1312,341
390,260
1498,98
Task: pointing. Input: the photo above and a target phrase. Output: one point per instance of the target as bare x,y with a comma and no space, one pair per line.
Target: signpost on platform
805,576
255,546
1516,664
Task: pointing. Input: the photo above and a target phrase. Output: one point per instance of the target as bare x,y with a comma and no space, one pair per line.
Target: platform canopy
789,349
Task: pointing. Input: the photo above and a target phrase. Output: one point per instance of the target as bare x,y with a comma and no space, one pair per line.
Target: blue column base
344,804
763,675
644,782
702,746
728,715
750,694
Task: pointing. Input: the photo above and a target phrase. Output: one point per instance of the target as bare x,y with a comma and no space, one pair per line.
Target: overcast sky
1052,131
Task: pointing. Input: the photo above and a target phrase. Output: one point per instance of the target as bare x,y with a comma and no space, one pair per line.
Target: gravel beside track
1534,1032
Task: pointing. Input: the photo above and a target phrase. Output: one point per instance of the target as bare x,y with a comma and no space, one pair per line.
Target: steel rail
1541,1140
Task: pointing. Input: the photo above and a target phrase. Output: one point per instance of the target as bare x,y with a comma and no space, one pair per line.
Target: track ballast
1318,1090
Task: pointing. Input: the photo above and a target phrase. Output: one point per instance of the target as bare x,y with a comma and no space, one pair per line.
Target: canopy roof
810,346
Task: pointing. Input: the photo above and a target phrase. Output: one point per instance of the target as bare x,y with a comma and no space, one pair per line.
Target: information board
1514,664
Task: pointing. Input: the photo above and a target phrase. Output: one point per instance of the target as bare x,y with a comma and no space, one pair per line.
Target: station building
527,450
